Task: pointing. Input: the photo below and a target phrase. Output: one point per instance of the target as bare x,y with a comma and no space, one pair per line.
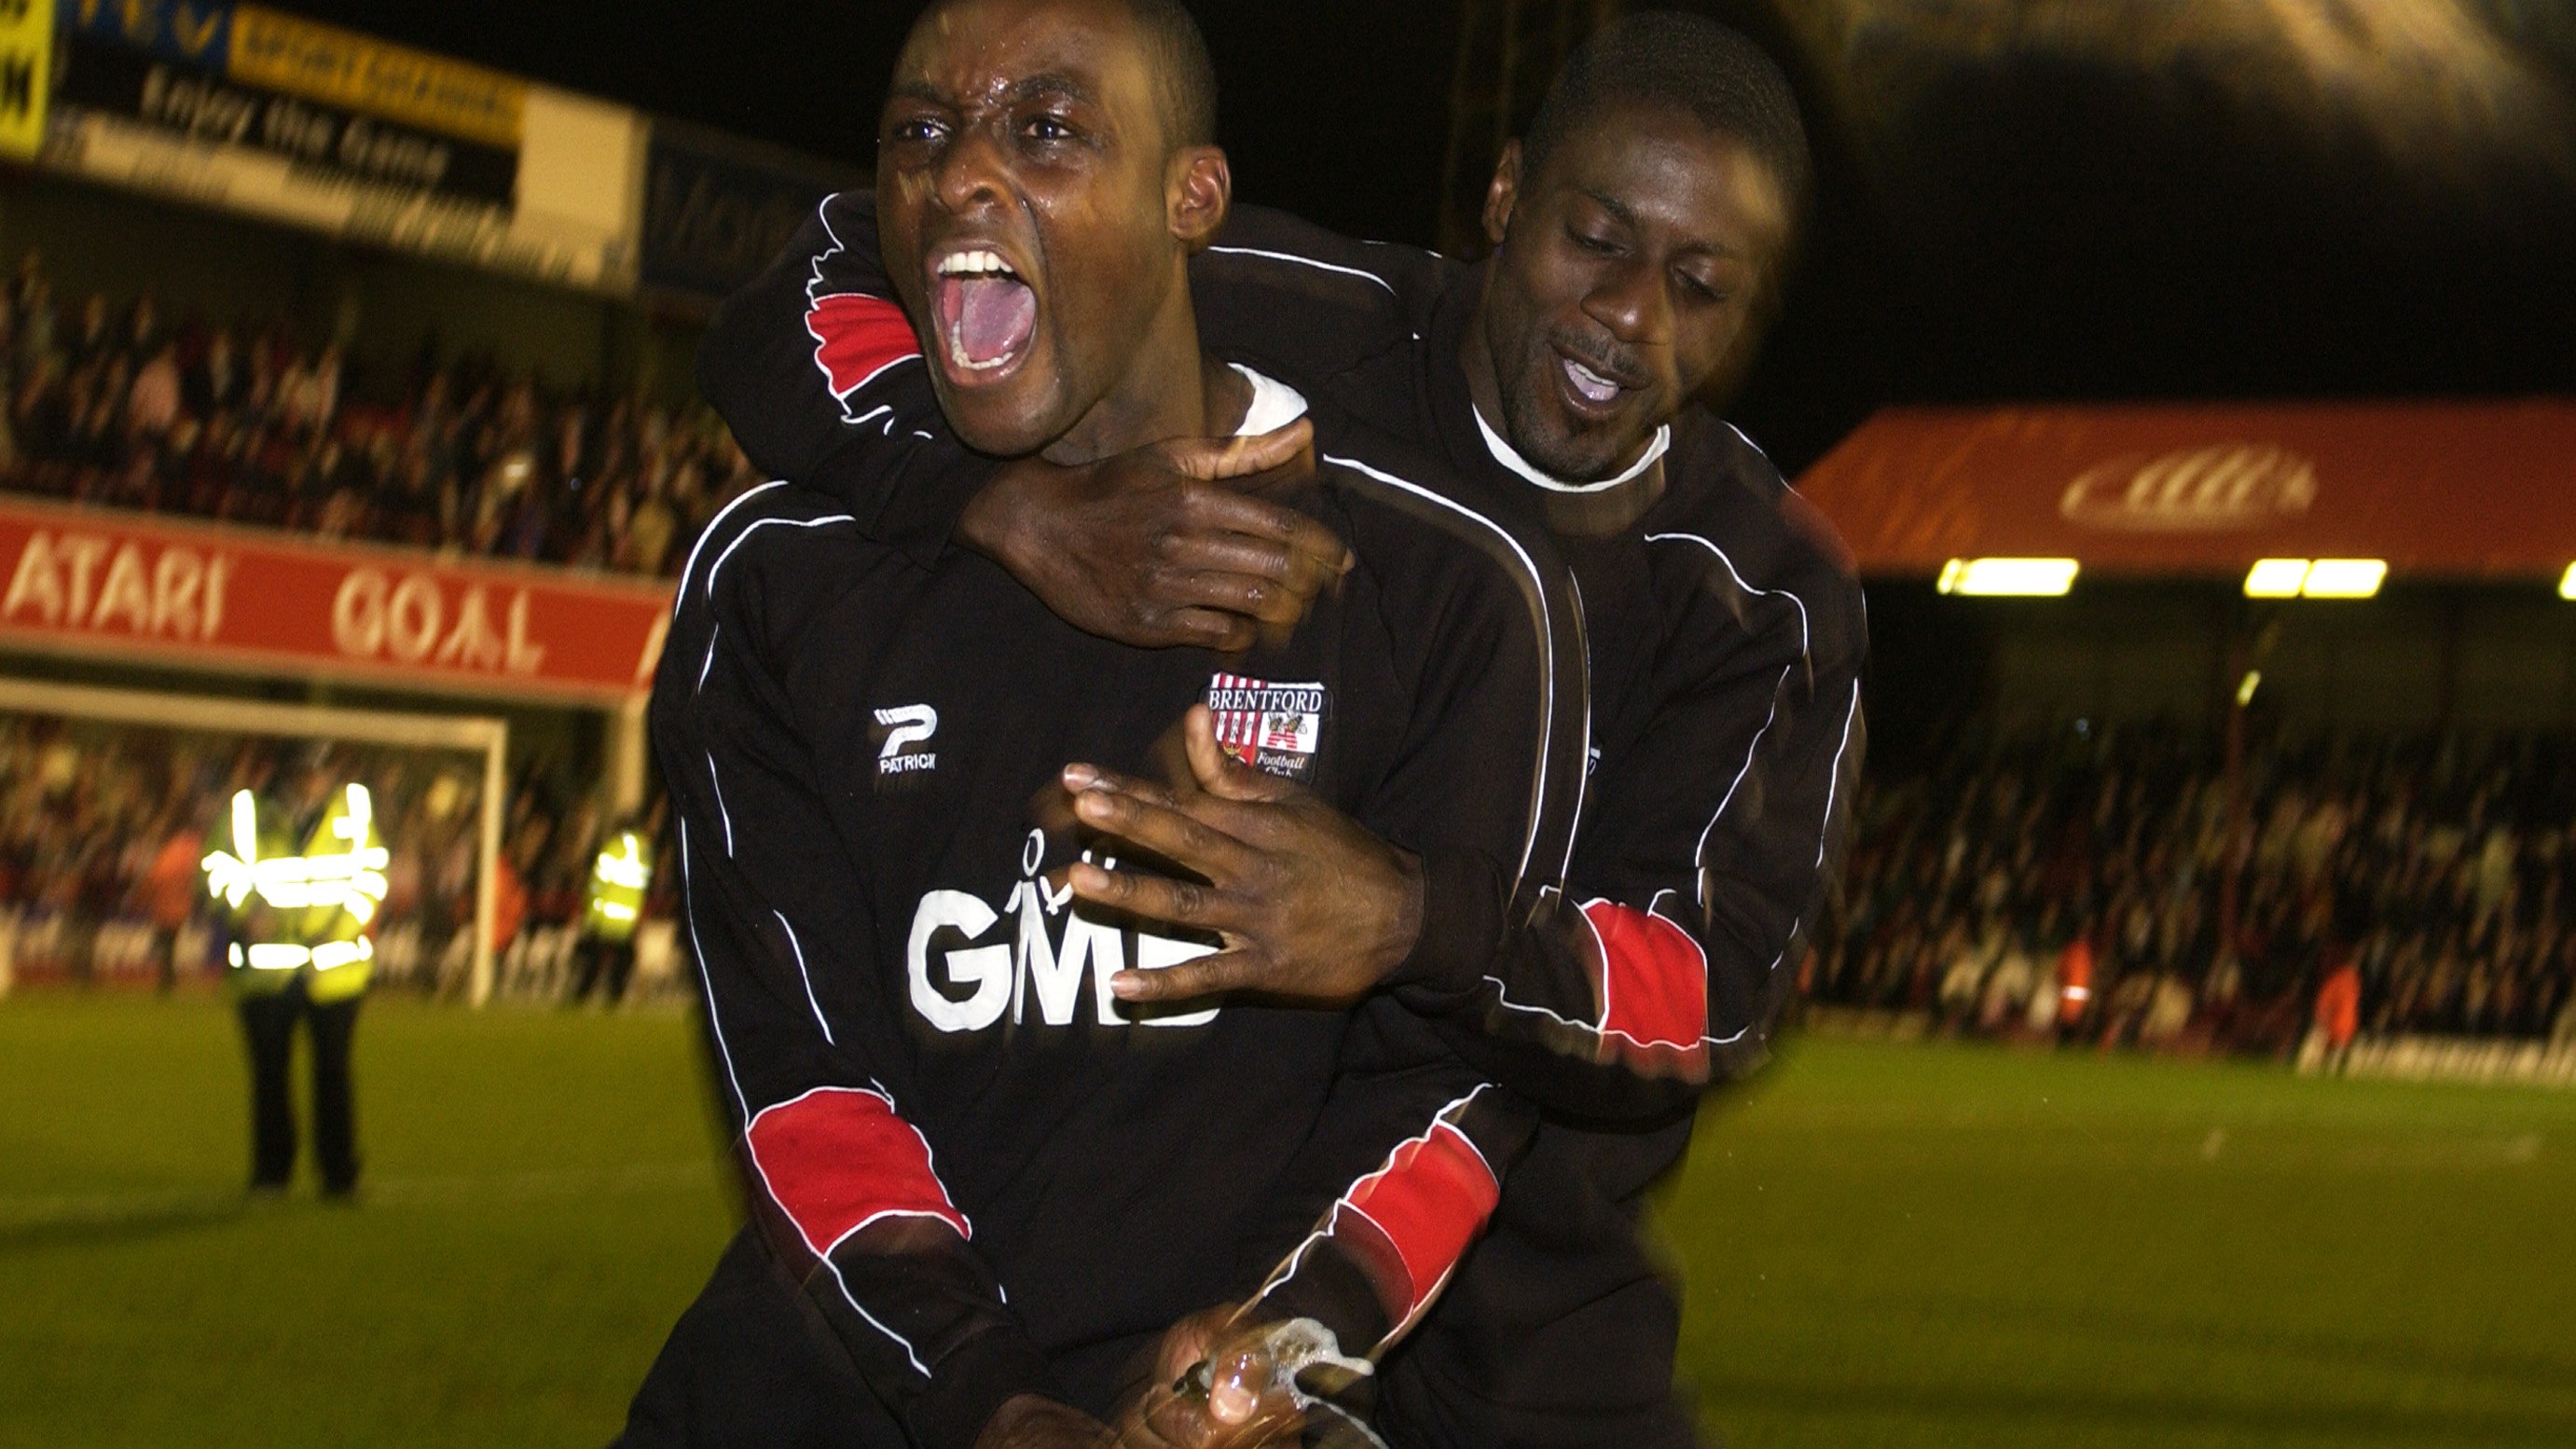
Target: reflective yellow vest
310,914
617,883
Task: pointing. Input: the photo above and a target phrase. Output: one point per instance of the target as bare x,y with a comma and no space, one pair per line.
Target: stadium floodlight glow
2344,578
2567,583
2245,687
2323,578
2027,578
2276,578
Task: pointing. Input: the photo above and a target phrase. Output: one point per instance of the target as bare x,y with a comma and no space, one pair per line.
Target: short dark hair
1683,62
1182,70
1185,72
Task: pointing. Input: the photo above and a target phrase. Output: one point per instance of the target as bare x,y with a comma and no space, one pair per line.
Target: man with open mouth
990,1187
1641,228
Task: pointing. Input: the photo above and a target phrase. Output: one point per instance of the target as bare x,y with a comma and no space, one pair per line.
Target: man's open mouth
1589,390
1591,384
987,315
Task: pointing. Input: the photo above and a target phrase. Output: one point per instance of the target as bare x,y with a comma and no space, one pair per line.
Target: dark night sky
1338,105
2031,224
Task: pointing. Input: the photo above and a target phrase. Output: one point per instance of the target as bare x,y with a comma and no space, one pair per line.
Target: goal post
218,715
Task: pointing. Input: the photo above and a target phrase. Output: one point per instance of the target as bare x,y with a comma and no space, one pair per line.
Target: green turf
1885,1245
1956,1246
543,1200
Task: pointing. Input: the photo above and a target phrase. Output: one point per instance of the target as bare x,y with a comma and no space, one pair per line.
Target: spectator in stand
213,383
152,404
1962,976
171,889
142,329
2074,982
31,305
509,897
2008,990
645,536
91,338
2338,1011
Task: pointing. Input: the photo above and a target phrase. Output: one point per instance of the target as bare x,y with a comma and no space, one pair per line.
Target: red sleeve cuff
838,1158
1654,990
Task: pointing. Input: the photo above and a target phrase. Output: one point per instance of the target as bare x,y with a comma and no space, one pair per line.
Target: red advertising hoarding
107,584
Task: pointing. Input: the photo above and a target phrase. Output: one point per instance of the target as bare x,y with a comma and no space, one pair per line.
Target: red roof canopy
2462,490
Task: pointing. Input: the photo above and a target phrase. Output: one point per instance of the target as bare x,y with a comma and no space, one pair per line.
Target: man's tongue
989,319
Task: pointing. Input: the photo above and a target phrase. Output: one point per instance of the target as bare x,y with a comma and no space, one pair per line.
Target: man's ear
1502,194
1202,192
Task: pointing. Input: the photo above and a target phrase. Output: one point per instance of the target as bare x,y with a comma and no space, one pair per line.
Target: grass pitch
542,1198
1884,1245
1966,1247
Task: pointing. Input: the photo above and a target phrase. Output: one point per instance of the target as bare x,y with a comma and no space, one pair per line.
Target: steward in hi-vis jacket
303,925
619,876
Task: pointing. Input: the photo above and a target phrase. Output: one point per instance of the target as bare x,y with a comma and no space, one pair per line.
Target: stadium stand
116,405
2075,882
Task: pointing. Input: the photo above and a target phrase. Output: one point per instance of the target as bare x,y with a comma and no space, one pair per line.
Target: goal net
105,794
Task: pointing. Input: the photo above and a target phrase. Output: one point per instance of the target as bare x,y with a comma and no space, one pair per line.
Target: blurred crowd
2077,882
103,828
2068,884
116,404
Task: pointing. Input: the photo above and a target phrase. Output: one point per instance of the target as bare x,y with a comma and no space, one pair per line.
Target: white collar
1274,404
1510,457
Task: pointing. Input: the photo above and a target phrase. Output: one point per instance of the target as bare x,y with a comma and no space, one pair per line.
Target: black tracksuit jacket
991,1176
1724,635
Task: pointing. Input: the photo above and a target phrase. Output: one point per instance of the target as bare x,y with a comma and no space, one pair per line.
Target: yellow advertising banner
343,68
26,63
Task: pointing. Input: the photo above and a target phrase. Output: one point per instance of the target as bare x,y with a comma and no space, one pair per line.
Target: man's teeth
1589,383
957,355
973,264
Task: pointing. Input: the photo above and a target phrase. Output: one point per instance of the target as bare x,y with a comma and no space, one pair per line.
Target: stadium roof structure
2465,491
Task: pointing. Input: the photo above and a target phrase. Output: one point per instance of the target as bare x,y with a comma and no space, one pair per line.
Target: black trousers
268,1027
596,960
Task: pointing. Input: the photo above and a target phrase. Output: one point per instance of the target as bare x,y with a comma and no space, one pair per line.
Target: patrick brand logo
906,726
2217,489
1274,728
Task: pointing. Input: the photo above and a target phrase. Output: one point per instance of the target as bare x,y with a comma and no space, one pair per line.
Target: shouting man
995,1184
1641,229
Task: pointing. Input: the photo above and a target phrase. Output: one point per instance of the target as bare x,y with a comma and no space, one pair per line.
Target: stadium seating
2439,866
114,405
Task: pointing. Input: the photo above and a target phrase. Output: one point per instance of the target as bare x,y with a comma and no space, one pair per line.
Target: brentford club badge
1274,728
